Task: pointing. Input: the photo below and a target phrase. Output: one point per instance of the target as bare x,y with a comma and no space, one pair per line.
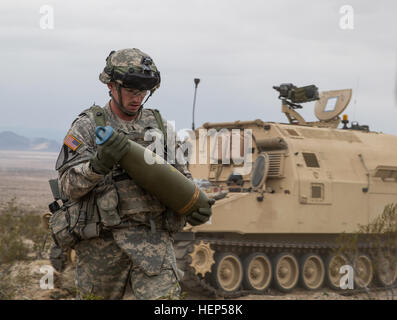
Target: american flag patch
72,142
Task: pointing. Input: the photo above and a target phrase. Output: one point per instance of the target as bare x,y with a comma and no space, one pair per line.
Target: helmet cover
131,68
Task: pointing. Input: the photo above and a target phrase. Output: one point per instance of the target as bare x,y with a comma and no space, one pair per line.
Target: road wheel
386,270
285,272
228,272
363,271
257,272
312,271
333,264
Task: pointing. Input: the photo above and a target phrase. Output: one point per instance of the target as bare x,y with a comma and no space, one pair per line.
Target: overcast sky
239,50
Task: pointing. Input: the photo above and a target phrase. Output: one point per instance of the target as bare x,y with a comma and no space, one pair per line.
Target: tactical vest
119,197
117,202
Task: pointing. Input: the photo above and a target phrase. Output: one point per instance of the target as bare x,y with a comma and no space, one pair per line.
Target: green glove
109,153
200,216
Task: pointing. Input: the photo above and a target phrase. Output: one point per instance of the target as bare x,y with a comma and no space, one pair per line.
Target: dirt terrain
25,175
24,180
27,275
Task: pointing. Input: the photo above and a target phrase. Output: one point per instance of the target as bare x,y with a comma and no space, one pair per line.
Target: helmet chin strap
121,106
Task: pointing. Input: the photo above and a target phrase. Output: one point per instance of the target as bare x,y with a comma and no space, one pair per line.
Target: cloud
238,49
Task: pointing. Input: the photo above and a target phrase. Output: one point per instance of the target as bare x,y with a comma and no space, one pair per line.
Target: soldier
131,242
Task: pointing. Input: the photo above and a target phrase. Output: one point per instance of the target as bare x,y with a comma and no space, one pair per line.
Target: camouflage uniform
133,253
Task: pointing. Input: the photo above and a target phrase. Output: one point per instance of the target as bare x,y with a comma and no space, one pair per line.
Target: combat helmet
130,68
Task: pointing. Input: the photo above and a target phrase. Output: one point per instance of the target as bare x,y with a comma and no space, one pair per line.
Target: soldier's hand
200,216
109,153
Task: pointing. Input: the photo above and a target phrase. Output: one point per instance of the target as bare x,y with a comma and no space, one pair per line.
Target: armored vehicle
277,225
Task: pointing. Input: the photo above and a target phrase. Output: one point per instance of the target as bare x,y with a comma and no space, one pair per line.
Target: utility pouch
58,258
173,222
69,224
89,231
88,226
107,201
60,226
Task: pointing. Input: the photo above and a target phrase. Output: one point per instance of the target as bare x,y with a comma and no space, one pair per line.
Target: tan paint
355,179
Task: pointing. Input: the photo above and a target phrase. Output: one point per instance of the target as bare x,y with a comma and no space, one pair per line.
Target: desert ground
24,190
24,176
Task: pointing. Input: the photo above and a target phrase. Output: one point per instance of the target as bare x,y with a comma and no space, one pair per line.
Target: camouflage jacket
77,179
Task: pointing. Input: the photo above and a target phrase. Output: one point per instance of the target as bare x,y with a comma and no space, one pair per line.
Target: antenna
196,82
395,84
355,97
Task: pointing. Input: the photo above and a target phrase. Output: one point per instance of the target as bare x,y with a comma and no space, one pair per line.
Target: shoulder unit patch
72,142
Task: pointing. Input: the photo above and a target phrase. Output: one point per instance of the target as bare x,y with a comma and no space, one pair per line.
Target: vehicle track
204,285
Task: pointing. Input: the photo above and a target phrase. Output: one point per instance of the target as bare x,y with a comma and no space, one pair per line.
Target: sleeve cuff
90,174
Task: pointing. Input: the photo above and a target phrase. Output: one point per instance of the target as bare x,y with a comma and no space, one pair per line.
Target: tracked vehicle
277,225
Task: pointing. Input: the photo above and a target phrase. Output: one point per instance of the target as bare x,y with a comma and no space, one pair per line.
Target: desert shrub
7,288
16,228
380,235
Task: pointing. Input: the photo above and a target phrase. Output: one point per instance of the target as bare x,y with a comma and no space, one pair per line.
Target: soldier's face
132,98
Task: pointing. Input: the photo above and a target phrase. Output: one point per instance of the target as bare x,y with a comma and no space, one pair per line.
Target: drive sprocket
202,258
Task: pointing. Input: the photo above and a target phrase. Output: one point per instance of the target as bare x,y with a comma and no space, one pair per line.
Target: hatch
332,103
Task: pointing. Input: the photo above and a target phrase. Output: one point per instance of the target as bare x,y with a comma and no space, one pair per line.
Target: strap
99,115
160,123
121,177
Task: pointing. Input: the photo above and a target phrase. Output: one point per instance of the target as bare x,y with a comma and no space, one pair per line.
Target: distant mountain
12,141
